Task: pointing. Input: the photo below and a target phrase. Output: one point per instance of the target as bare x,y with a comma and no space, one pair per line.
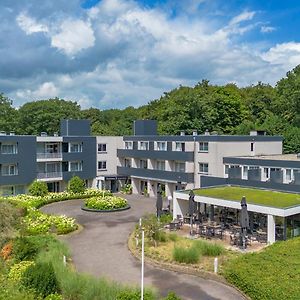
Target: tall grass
208,249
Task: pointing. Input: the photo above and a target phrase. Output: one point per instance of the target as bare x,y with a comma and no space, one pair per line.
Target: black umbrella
244,219
159,202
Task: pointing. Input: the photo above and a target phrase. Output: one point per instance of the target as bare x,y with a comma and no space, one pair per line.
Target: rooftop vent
257,132
206,132
55,134
43,133
182,133
298,155
195,132
12,133
2,133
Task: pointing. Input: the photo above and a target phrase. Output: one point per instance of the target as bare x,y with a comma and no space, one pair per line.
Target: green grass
254,196
273,274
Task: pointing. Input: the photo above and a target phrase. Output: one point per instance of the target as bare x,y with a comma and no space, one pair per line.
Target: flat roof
292,157
253,196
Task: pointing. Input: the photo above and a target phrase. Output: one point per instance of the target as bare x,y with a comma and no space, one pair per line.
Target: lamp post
142,271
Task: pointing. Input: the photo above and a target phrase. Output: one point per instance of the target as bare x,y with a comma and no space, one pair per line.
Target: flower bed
106,203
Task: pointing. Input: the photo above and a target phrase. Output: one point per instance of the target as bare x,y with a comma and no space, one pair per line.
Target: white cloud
74,36
245,16
44,91
30,25
267,29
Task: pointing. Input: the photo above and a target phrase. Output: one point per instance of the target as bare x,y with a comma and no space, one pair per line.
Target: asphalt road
101,249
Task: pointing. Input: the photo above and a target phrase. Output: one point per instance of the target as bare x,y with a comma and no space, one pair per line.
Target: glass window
252,147
128,145
9,149
7,190
266,173
144,146
52,148
9,170
203,146
161,146
226,169
102,165
245,171
161,165
179,167
75,166
179,146
143,164
75,147
101,147
288,175
127,162
203,168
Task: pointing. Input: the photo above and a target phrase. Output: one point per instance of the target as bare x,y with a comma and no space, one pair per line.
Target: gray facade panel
276,176
145,127
75,127
254,174
262,162
164,155
157,174
207,181
25,159
235,172
204,138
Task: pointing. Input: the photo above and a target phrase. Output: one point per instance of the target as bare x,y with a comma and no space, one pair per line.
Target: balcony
157,174
50,175
154,154
49,156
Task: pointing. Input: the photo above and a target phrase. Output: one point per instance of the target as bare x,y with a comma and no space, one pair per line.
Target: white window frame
11,168
128,145
142,165
103,164
245,172
144,145
78,145
13,145
127,162
178,146
226,170
291,175
203,167
79,164
202,147
161,146
102,146
178,166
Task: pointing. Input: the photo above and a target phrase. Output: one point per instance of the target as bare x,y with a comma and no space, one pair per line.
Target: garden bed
105,203
105,210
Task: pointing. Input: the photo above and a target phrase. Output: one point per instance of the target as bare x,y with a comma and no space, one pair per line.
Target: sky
119,53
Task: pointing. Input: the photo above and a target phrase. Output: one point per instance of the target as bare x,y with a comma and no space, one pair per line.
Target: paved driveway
101,250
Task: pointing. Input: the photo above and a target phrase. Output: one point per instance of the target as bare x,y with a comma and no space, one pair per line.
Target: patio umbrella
159,202
244,220
191,208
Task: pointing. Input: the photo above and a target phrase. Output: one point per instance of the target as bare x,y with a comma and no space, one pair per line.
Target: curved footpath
101,249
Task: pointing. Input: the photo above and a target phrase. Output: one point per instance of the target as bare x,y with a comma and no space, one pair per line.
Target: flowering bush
17,270
106,203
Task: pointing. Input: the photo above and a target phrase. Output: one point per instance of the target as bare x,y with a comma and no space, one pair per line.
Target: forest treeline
226,109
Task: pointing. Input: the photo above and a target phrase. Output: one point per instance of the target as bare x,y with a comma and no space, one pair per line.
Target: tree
76,185
8,114
45,115
38,188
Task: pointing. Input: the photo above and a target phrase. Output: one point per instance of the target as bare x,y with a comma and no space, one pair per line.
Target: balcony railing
49,155
49,175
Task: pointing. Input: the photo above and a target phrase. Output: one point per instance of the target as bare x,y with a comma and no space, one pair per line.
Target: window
75,148
144,146
7,190
129,145
266,173
179,146
288,174
9,170
127,162
101,148
161,165
161,146
245,171
9,149
252,147
203,146
51,148
102,165
226,169
143,164
203,168
75,166
179,167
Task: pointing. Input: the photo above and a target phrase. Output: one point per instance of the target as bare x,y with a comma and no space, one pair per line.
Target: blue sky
117,53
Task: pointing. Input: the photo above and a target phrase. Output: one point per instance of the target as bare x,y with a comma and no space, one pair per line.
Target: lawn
254,196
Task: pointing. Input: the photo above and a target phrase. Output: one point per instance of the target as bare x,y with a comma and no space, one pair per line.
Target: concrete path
101,250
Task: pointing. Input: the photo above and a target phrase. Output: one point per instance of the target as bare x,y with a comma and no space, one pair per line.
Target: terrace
275,215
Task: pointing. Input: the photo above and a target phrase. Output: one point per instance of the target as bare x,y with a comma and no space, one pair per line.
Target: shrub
172,296
165,219
173,237
38,188
17,270
41,277
208,249
6,251
186,255
24,249
134,295
54,297
76,185
106,203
